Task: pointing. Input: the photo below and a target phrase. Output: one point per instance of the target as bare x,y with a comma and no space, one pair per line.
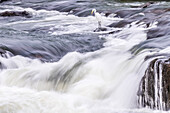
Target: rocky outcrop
154,91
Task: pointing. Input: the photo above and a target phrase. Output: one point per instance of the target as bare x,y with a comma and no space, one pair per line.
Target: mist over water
52,61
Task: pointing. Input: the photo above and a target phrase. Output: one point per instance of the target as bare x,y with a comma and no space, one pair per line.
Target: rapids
54,62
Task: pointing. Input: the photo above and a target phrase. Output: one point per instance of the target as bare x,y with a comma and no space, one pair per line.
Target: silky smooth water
78,70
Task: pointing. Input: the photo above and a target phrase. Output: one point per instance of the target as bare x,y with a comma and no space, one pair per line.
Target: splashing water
101,81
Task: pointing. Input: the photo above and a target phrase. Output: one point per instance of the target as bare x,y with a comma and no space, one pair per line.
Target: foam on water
60,23
104,81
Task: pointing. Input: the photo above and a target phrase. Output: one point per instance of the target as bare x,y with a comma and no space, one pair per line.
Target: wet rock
147,4
108,13
161,17
15,13
154,90
121,23
3,1
83,13
157,32
2,51
5,53
125,13
158,16
162,28
100,29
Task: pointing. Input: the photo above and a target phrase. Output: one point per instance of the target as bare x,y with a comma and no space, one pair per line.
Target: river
53,61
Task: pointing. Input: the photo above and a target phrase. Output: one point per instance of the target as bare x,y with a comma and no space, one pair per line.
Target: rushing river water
52,61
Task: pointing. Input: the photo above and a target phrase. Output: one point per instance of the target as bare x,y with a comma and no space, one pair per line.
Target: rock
2,51
158,16
16,13
147,4
121,23
5,53
156,32
108,13
100,29
154,90
3,1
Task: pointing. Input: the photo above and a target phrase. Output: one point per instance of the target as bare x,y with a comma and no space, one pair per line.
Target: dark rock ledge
154,90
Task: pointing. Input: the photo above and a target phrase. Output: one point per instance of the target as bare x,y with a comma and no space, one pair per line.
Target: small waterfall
154,88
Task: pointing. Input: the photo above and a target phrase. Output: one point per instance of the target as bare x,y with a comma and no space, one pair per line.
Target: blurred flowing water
52,61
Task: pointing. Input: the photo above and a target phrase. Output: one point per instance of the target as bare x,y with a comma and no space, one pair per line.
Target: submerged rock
121,23
154,91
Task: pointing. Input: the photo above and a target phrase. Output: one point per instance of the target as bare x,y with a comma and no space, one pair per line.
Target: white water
104,81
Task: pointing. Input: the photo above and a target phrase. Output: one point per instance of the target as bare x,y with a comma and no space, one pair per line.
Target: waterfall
94,72
153,92
92,82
